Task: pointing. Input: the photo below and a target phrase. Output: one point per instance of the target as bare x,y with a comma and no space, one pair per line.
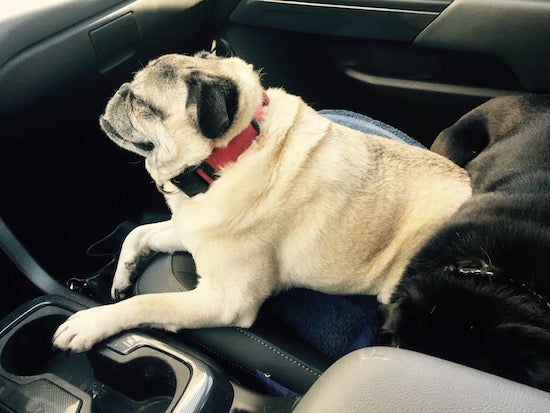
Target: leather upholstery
392,380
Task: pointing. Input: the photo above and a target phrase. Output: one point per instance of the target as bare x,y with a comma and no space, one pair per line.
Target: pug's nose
124,90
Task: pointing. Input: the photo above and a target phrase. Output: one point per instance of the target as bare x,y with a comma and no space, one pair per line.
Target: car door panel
514,31
379,58
378,19
56,48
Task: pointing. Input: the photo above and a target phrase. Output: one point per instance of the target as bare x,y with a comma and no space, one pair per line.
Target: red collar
197,178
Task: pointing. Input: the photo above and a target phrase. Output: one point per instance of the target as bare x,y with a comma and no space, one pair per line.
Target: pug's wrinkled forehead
170,71
165,82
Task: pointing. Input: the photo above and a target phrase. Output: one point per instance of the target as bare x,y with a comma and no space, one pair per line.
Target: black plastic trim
388,20
426,86
32,270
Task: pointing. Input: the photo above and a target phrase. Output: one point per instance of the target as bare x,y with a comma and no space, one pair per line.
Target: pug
478,292
265,194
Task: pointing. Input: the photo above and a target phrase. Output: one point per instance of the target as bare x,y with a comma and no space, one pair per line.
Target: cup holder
29,351
144,380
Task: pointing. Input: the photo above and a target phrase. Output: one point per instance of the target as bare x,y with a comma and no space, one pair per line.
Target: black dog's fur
478,291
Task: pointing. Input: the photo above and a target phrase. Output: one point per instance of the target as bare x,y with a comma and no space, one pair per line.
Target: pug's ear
217,102
464,140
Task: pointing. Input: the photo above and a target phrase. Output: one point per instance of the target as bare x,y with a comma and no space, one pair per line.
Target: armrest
384,379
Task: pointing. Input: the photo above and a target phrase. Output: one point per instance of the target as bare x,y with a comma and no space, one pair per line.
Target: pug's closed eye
144,109
144,146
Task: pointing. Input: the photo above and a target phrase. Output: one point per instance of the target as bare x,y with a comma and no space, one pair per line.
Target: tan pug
305,203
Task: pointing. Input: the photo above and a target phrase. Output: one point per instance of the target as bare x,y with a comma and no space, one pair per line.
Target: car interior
70,195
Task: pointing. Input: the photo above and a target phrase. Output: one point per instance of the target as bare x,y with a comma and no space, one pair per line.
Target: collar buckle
190,182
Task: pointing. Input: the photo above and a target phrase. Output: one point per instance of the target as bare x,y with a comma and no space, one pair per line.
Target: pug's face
178,109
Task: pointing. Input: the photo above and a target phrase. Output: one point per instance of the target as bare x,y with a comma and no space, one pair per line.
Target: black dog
478,292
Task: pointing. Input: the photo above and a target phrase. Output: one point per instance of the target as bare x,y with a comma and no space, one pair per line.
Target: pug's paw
85,328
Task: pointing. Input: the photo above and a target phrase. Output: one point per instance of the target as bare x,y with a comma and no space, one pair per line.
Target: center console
132,372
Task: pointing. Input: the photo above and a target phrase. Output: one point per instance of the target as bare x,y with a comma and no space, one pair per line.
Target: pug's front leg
230,301
140,243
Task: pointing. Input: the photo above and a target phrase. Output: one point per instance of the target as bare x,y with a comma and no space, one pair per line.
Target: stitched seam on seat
219,355
278,352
